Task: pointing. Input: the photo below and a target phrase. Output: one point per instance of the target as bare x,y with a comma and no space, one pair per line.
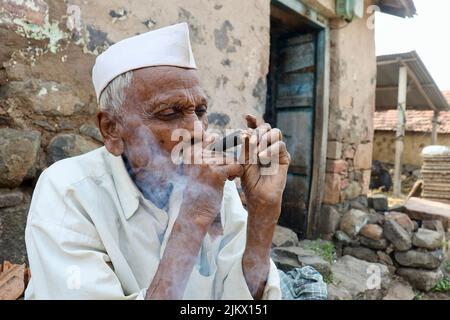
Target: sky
428,33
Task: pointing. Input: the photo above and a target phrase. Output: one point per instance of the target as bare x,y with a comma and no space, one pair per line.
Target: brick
337,166
332,188
334,150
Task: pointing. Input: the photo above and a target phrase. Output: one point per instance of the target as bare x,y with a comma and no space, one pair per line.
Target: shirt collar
127,191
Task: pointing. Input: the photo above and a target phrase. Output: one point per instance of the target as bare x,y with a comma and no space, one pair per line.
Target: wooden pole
434,131
401,112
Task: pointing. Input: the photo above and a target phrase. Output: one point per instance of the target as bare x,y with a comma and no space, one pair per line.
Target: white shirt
91,234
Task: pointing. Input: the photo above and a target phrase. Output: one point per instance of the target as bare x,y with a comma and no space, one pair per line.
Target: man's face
158,101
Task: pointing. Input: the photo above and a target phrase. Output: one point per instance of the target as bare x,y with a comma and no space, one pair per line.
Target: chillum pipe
230,141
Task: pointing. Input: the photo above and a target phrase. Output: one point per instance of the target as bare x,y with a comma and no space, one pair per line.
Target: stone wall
350,134
47,102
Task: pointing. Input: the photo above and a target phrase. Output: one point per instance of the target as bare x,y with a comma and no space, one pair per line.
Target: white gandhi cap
168,46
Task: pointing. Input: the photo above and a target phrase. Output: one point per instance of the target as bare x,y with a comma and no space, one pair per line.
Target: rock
68,145
399,290
418,259
342,237
360,278
372,231
402,219
436,296
358,204
18,156
91,131
10,198
422,209
48,97
284,237
398,236
385,258
338,293
353,221
434,225
294,256
352,191
361,253
374,244
379,202
428,239
376,218
284,262
12,233
334,150
390,249
424,280
397,208
317,262
329,220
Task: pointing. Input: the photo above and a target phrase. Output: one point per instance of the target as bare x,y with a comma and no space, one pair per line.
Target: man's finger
251,121
275,152
262,129
269,138
233,170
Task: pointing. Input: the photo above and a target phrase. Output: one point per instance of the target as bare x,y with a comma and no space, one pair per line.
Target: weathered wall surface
413,143
352,102
47,103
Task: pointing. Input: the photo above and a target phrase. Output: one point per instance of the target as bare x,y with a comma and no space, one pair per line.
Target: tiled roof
419,121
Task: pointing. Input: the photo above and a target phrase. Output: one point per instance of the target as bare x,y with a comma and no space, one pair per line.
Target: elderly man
125,221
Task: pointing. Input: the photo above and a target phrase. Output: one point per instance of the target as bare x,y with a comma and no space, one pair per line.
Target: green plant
324,249
419,296
328,279
443,285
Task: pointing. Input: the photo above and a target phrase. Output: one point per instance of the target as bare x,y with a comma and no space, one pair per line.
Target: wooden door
291,93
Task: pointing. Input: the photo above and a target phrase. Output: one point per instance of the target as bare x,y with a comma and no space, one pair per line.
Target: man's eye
201,111
169,111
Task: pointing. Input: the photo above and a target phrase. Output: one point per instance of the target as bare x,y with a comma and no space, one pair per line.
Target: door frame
322,101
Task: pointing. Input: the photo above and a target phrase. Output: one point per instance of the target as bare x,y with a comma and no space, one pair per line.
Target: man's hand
266,166
202,198
263,182
205,174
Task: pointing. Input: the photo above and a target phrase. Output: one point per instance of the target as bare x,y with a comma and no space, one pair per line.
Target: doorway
292,86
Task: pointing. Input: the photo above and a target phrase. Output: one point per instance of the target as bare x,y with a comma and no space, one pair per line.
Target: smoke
157,171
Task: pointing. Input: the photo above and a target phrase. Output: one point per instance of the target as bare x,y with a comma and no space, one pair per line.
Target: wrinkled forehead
164,82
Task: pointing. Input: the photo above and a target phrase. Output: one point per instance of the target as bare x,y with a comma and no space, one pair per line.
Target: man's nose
196,130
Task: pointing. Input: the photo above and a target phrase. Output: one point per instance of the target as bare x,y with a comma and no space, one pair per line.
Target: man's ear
110,131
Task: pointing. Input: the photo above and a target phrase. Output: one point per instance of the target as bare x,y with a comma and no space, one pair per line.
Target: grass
329,278
324,249
443,285
418,296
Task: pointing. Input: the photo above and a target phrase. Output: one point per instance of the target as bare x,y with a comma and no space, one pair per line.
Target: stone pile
411,248
436,173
